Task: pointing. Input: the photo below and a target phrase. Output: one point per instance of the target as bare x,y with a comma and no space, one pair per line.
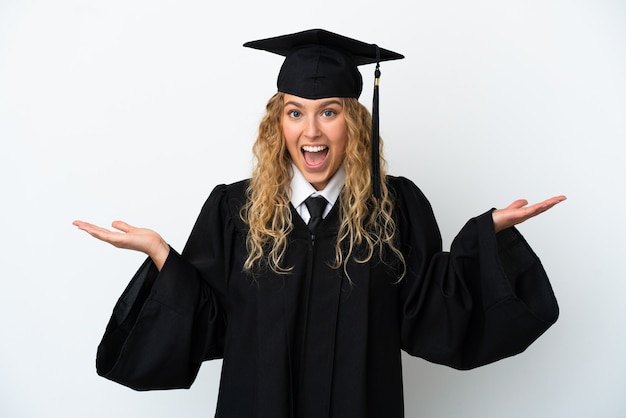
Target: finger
547,204
122,226
538,208
100,233
554,200
81,224
519,203
87,227
117,239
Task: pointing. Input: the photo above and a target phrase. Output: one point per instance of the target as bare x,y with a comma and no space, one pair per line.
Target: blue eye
329,113
294,113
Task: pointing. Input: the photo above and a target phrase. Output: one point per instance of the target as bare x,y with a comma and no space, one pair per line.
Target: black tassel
376,187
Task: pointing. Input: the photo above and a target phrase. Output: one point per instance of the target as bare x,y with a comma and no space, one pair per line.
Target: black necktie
316,206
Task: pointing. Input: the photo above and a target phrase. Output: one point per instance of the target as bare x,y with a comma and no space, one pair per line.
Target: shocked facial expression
316,136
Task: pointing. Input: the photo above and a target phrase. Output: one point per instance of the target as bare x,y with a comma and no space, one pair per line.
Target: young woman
308,310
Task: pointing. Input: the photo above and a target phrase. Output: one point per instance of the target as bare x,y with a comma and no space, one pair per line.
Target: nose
312,128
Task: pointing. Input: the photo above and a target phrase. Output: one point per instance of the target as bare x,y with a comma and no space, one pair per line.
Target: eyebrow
322,104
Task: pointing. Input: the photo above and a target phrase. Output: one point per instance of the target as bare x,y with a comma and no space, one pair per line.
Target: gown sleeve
486,299
165,324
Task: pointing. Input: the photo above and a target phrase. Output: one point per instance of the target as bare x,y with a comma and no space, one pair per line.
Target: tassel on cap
376,187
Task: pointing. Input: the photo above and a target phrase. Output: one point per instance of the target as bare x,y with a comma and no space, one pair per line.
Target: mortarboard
320,64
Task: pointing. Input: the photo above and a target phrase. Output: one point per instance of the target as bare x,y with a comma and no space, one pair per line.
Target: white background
136,109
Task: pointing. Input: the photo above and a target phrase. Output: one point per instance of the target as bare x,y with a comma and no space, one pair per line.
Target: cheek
287,135
342,152
290,134
341,133
291,143
341,141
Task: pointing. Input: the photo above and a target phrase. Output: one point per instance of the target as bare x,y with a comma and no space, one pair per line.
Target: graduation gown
312,343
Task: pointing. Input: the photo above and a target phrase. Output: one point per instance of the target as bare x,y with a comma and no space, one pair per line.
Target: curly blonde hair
367,226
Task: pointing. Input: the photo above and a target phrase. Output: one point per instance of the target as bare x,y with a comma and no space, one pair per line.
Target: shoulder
413,211
236,192
232,194
402,188
408,199
225,202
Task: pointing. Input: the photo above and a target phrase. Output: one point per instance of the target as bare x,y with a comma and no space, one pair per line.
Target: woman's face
316,136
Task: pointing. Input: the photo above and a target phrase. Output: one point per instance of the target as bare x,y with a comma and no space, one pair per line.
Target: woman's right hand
132,238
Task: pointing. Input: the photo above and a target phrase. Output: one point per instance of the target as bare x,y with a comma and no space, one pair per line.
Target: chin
319,182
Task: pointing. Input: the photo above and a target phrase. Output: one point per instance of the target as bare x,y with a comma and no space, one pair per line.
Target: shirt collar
301,188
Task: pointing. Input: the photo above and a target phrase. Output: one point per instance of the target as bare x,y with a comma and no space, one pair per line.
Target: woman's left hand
519,211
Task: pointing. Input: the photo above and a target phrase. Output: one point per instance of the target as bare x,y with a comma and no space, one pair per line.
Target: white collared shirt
301,189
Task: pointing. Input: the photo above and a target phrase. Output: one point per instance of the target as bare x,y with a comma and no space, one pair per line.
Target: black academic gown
311,343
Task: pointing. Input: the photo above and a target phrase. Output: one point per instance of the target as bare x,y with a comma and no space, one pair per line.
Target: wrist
160,253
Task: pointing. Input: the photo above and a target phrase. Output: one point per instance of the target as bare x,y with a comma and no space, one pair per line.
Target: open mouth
314,155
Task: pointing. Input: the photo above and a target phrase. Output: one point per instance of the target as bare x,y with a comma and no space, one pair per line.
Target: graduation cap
320,64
